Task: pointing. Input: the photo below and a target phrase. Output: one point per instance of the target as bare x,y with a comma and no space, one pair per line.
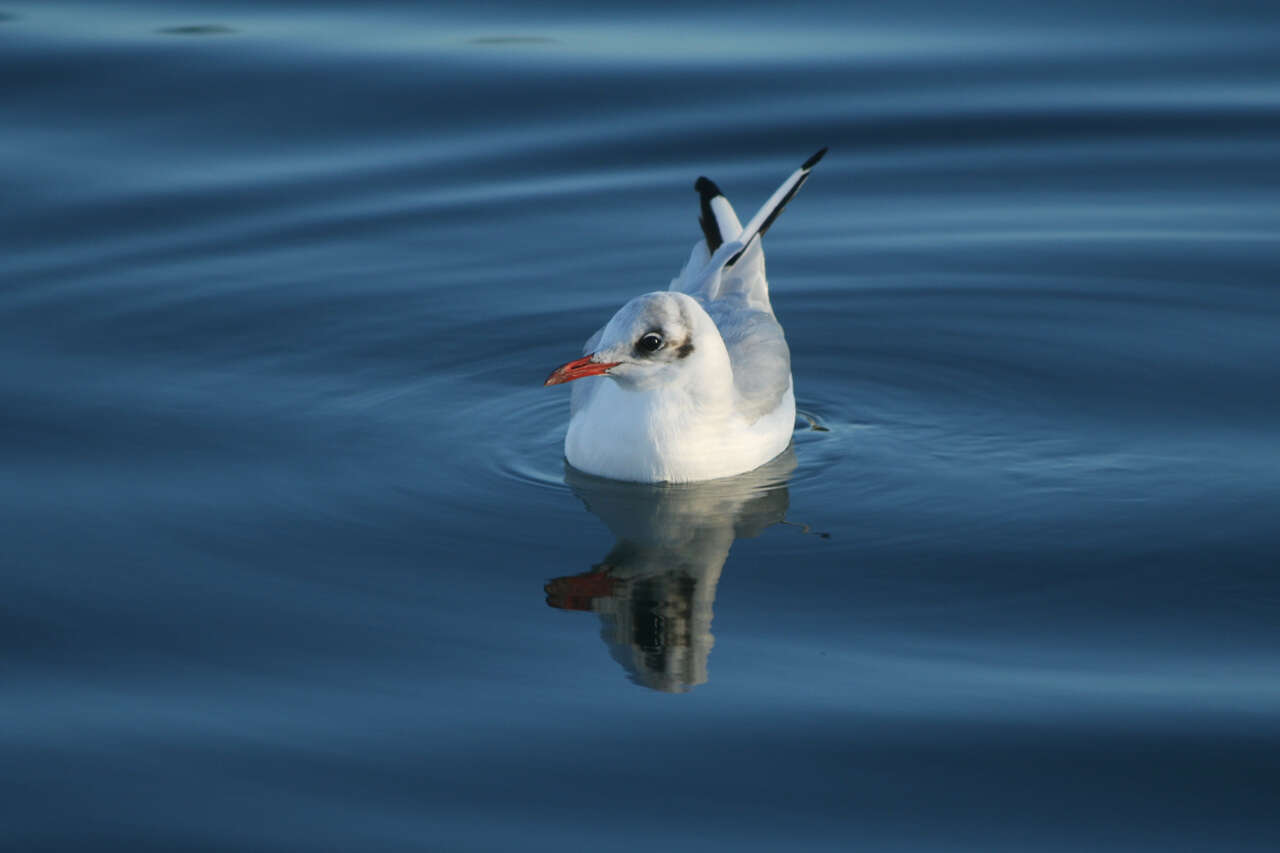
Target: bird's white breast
664,435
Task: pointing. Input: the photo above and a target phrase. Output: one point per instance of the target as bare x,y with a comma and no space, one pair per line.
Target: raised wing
729,260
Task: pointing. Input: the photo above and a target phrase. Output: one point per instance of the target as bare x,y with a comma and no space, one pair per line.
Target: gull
691,383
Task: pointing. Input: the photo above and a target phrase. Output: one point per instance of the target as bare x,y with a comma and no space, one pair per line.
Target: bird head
648,343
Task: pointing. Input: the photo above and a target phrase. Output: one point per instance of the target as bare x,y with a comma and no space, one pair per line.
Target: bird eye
652,342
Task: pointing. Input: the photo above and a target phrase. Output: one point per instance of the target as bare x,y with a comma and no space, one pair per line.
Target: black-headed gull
701,374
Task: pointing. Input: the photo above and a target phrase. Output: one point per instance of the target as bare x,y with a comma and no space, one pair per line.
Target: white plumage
692,383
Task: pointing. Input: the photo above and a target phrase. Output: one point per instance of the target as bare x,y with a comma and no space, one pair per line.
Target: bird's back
758,354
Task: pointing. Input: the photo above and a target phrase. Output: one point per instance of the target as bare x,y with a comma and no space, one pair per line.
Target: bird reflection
654,590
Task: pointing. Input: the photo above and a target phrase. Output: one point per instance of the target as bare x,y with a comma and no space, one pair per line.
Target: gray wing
580,392
758,353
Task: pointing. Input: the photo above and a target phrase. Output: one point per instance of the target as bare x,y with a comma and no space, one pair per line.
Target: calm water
290,557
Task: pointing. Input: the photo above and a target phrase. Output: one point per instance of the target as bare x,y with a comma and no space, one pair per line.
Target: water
283,504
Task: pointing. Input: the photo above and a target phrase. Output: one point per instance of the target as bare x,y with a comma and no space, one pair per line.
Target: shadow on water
197,30
655,589
499,41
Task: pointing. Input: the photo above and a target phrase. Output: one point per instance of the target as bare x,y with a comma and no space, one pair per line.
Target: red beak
578,369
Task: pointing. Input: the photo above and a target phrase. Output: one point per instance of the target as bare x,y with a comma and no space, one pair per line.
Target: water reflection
654,590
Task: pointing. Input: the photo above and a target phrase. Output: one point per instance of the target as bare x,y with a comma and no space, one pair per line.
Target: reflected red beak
578,369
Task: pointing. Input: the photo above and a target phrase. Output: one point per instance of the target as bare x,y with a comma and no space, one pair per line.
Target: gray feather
757,351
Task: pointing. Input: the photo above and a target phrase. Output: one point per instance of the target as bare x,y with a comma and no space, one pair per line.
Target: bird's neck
705,389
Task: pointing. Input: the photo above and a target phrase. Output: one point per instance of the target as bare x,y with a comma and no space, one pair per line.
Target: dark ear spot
685,348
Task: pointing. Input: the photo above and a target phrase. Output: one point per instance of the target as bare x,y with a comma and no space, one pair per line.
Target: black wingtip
707,188
813,161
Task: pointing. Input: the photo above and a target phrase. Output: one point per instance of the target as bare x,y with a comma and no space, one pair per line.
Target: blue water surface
291,560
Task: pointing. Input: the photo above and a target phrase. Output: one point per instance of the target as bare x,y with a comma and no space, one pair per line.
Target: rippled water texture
291,560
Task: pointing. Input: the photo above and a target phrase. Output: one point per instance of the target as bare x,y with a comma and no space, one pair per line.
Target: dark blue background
280,489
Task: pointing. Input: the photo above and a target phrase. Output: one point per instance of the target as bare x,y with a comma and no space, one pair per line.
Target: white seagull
700,374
